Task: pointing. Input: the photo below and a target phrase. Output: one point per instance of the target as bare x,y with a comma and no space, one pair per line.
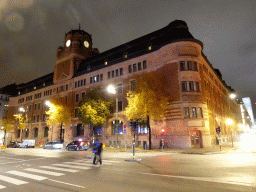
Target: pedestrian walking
97,149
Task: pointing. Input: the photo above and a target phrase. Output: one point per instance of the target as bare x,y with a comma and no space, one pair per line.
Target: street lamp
112,89
232,95
229,122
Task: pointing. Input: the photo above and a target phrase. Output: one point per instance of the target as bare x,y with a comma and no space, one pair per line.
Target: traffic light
218,130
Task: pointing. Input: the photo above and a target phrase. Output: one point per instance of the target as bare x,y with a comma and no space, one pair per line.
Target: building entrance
196,139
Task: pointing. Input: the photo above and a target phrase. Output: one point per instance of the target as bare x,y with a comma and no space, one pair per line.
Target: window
76,112
38,106
195,66
139,66
133,85
36,132
117,73
189,63
94,79
121,71
200,112
84,81
26,133
191,86
197,86
194,114
35,106
66,86
101,77
120,106
145,64
46,131
134,67
44,117
117,127
142,127
130,68
113,74
186,112
29,108
34,118
98,78
79,130
184,86
90,80
120,88
182,66
83,94
37,118
77,97
78,84
109,75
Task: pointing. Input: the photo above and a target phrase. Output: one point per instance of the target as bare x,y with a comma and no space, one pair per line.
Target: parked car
53,145
78,145
27,143
13,144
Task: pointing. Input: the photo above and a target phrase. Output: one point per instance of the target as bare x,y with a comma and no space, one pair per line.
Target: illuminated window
186,112
194,113
106,63
149,48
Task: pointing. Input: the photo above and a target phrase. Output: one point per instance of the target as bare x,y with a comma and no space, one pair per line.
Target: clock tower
77,46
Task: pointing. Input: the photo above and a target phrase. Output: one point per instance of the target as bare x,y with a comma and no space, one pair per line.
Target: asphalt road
59,170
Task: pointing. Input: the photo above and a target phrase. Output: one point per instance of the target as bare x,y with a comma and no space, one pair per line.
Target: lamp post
48,103
229,122
112,89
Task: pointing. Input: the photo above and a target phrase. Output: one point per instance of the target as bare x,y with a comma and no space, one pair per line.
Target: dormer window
125,55
149,46
35,87
106,63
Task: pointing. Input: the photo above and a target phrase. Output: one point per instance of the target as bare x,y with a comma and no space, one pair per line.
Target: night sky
32,30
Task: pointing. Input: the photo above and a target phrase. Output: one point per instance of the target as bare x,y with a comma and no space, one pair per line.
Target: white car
53,145
27,143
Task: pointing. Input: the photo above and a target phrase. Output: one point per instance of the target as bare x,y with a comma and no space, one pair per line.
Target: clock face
86,44
68,43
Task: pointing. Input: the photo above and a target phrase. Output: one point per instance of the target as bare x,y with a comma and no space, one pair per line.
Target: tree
149,100
60,112
7,123
20,123
94,107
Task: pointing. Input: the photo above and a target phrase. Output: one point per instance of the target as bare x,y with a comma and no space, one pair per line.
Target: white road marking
30,176
87,164
12,180
44,172
2,187
67,183
72,166
60,169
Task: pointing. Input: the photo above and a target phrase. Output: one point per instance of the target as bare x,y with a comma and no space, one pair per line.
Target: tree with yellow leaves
149,100
7,123
20,123
59,113
94,107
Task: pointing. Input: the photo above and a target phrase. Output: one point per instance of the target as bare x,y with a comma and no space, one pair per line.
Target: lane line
60,169
72,166
67,183
44,172
12,180
30,176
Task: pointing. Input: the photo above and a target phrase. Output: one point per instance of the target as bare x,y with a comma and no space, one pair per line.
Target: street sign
124,131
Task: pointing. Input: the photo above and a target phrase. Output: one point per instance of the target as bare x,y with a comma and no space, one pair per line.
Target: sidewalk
225,148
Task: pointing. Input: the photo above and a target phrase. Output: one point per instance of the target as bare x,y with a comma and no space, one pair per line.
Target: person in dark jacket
97,149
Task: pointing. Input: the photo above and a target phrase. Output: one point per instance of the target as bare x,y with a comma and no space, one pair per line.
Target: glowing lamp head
111,89
232,96
229,121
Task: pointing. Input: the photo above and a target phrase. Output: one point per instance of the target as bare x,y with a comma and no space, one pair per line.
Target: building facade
199,103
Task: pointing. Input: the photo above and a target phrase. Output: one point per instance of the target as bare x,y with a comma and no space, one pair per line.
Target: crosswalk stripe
30,176
87,164
2,187
44,172
60,169
107,161
72,166
12,180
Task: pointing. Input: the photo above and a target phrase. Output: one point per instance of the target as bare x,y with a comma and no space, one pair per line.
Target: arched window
36,132
46,131
79,130
26,133
117,127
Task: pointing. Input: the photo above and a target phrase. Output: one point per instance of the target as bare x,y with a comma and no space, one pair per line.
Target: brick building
200,98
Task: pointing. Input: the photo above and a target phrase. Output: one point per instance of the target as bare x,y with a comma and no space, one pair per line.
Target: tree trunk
4,136
61,132
149,133
21,133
